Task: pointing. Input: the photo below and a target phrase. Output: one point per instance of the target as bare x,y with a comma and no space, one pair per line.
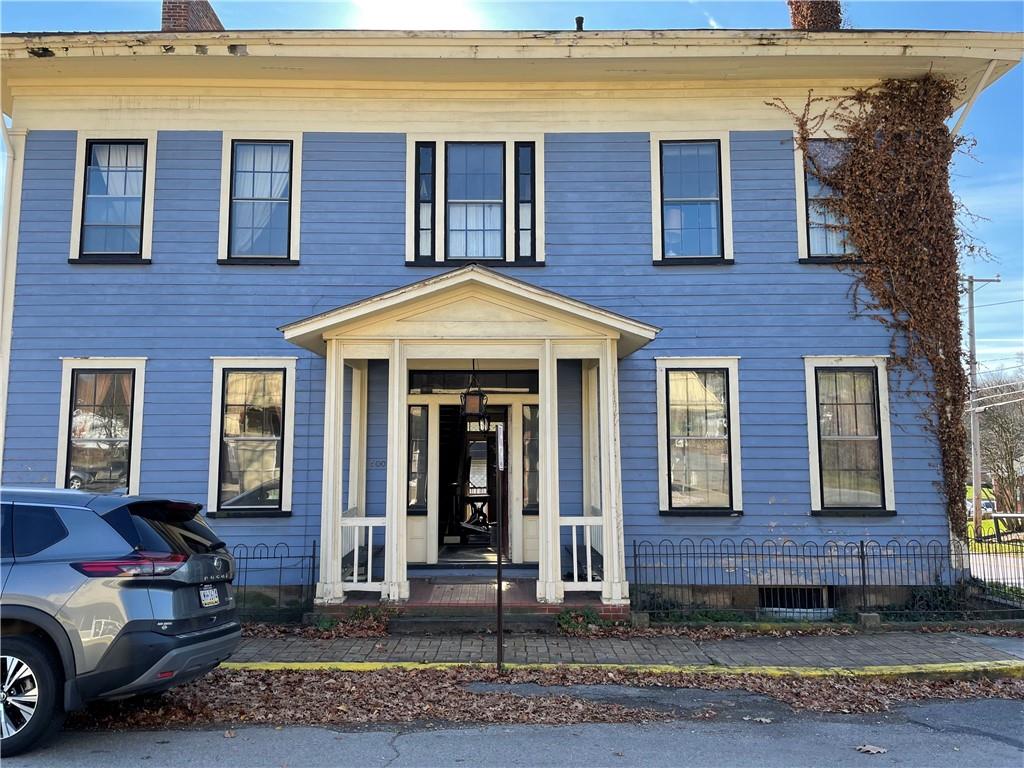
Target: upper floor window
101,424
113,203
827,234
698,436
488,196
848,415
260,199
252,436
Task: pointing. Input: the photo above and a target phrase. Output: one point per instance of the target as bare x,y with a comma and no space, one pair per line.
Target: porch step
471,624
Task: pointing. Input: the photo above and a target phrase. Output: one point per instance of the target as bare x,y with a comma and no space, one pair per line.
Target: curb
1005,669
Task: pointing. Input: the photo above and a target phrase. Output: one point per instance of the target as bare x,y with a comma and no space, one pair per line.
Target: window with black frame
475,200
827,235
114,191
531,459
417,494
100,432
252,439
260,214
691,200
699,472
849,438
525,192
424,215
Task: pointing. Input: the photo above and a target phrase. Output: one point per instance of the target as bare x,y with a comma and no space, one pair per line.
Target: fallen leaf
229,734
871,749
762,719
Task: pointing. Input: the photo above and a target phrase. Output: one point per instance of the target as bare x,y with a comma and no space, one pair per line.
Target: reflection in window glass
112,211
100,430
531,456
417,457
691,215
698,439
827,235
475,191
252,443
848,435
260,198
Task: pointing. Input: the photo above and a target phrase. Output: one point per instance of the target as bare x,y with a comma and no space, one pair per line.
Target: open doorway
470,490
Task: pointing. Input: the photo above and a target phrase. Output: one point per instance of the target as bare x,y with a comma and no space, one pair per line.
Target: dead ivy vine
893,194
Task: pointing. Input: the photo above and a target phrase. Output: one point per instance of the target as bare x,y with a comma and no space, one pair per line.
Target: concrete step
471,624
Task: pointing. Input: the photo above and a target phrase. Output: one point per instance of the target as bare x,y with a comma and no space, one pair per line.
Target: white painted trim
880,364
148,194
71,364
732,366
725,158
441,140
800,181
220,364
9,265
227,138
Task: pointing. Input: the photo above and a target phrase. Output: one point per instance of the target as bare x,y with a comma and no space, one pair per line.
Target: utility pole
972,361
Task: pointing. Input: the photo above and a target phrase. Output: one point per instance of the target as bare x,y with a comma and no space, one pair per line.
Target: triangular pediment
469,303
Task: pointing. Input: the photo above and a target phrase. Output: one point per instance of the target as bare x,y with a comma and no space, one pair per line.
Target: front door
471,491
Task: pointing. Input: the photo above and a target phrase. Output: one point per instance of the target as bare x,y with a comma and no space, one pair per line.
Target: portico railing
357,545
584,532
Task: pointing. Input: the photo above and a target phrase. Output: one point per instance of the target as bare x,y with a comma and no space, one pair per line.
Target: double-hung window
848,417
827,235
101,424
252,436
260,199
482,195
698,435
113,199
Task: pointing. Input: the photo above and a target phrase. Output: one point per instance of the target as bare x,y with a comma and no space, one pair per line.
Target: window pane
826,229
252,442
112,209
475,190
417,492
698,432
851,466
531,456
260,195
100,430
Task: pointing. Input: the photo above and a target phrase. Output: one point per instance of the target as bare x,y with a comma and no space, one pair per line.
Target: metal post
499,486
972,361
863,579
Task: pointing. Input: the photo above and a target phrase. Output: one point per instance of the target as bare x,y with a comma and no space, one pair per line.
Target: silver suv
104,597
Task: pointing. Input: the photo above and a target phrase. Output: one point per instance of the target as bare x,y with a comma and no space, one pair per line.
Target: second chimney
189,16
816,15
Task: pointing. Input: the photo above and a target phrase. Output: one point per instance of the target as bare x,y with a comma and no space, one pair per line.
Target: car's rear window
159,527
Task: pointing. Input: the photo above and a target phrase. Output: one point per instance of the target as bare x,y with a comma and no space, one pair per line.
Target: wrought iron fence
717,580
275,582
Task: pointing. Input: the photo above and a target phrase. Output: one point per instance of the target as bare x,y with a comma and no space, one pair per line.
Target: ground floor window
100,424
698,436
252,451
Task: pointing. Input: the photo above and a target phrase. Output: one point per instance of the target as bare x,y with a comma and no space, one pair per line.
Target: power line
998,395
998,405
1000,386
998,370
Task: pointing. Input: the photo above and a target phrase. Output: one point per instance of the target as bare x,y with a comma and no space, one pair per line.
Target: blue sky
991,184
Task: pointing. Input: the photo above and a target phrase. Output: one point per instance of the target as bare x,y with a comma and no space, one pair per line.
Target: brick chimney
816,15
189,16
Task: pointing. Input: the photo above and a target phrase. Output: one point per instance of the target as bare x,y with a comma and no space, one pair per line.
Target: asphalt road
983,733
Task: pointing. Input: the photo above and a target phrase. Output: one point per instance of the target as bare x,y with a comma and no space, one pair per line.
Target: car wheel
75,483
30,706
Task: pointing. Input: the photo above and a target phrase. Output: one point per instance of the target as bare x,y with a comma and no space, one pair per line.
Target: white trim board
731,365
879,363
295,185
220,364
71,364
725,164
148,194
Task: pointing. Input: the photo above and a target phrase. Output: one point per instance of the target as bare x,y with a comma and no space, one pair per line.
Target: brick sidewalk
882,649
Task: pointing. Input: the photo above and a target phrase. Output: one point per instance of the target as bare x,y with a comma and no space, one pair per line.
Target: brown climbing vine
893,195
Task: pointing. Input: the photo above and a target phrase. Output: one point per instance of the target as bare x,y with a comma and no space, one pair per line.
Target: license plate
209,596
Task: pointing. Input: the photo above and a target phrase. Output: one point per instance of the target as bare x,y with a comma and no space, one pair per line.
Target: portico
470,317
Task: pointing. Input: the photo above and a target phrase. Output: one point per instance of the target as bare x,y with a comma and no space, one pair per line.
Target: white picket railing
582,533
357,538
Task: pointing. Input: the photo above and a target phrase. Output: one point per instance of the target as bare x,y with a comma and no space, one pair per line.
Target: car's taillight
135,564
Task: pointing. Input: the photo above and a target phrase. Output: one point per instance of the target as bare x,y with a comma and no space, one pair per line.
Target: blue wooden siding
184,308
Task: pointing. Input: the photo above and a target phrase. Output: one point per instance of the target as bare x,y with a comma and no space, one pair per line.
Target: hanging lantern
474,401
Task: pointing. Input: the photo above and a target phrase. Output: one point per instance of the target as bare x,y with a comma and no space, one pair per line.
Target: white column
328,589
356,458
591,443
549,582
396,582
614,588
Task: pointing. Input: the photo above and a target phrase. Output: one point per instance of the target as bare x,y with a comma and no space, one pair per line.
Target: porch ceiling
472,302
